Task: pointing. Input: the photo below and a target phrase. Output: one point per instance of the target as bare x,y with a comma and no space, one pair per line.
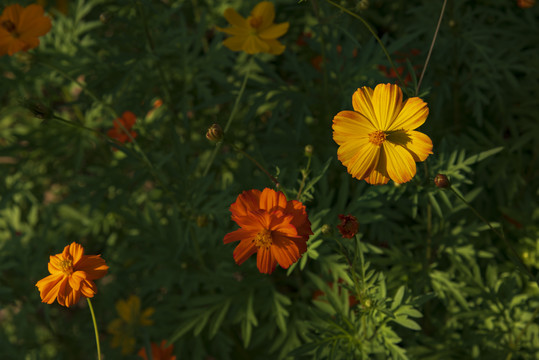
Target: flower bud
215,133
442,181
348,226
326,229
309,150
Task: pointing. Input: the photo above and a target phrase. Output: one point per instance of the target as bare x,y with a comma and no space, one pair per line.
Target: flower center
255,22
67,266
377,137
263,238
9,26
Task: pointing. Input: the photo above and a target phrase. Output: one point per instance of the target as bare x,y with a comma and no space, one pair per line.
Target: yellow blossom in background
125,328
377,141
257,33
21,27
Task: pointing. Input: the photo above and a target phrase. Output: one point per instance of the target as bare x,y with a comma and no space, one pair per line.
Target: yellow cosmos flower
377,141
257,33
125,328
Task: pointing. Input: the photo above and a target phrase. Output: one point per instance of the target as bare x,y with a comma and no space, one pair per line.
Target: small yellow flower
377,141
257,33
124,329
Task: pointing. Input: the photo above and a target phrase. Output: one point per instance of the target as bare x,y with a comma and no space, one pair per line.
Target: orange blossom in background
126,122
72,275
159,352
21,27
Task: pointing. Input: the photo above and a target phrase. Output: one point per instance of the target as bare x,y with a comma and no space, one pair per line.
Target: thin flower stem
82,86
371,30
95,328
252,159
305,174
229,122
519,263
431,47
78,126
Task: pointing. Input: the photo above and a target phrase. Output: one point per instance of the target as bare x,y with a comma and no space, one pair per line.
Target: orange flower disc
72,275
274,228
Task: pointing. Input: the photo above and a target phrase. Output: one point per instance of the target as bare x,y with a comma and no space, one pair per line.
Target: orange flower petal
270,199
265,260
33,23
93,266
88,288
48,287
244,250
285,251
12,13
240,234
246,201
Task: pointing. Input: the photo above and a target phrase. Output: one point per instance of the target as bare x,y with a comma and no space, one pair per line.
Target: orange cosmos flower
525,4
72,275
159,352
257,33
126,121
274,228
377,141
20,28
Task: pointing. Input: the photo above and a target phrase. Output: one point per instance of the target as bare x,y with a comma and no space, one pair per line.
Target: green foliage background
431,279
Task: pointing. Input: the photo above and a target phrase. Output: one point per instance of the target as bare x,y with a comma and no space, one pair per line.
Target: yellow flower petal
276,48
274,31
379,175
387,103
400,163
362,103
420,145
235,43
253,45
365,161
233,30
349,126
413,114
235,19
266,12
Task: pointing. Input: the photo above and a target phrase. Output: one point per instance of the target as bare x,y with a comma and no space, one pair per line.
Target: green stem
520,263
277,185
371,30
431,47
305,174
229,122
82,86
95,328
78,126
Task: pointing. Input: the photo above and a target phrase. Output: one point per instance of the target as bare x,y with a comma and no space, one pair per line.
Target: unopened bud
326,229
202,220
105,17
348,226
215,133
442,181
309,150
363,5
39,110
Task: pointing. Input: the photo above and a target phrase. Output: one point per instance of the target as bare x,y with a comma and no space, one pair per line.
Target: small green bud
326,229
309,150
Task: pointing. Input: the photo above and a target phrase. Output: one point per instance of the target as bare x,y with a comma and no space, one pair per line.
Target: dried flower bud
309,150
215,133
442,181
348,226
202,220
326,229
39,110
